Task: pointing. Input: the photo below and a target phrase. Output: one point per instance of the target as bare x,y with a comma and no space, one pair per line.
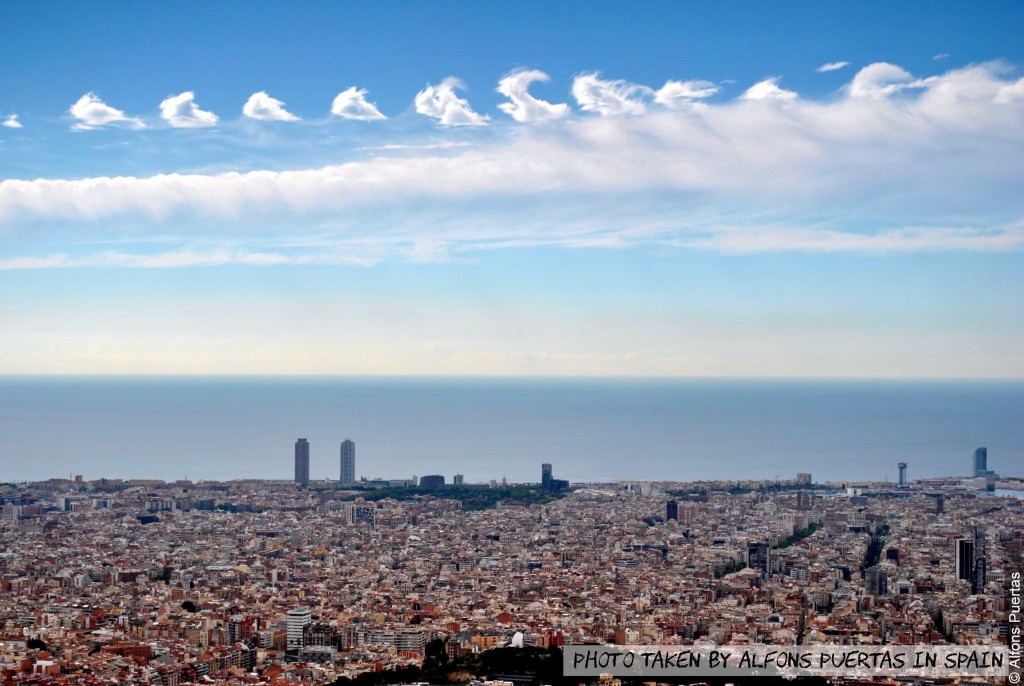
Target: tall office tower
545,476
903,473
348,462
876,581
940,504
757,557
964,558
672,511
298,618
978,573
458,479
302,461
981,462
803,478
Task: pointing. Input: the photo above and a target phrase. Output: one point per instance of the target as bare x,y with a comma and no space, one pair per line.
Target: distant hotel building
548,482
302,462
981,462
348,463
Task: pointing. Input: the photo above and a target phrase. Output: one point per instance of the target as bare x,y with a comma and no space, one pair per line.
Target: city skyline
464,190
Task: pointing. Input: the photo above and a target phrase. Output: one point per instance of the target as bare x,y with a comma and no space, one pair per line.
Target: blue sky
668,189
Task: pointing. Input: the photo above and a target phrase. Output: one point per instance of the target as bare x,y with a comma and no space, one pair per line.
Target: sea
590,430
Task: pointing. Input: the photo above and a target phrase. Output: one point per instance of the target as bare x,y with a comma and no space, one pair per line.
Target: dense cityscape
281,582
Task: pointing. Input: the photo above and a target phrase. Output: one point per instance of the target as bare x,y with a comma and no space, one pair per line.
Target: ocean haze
589,429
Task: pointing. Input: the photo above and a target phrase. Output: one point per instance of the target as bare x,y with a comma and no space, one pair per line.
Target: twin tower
348,462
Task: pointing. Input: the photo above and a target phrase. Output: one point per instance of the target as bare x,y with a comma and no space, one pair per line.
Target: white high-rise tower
348,462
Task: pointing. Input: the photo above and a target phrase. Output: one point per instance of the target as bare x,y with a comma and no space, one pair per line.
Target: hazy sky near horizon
576,188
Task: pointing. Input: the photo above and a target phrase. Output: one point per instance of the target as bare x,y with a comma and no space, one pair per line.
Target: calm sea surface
225,428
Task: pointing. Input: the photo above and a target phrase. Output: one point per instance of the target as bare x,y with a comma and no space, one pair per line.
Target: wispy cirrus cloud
92,113
262,107
181,111
876,168
441,102
831,66
175,259
523,107
352,104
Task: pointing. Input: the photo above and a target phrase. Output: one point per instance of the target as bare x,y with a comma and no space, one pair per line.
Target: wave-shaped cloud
93,113
609,98
441,102
352,104
676,94
265,108
768,89
181,111
900,162
523,106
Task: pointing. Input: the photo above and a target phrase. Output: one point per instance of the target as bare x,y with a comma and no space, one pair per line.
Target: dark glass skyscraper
302,461
981,462
964,558
348,462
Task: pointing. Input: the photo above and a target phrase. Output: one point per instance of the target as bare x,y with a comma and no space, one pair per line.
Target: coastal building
302,461
981,462
348,463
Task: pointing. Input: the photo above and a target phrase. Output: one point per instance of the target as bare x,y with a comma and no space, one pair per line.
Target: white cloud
181,111
864,173
768,90
904,239
523,106
881,79
352,104
12,122
442,103
831,66
1011,92
940,56
677,94
91,113
265,108
609,98
174,259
